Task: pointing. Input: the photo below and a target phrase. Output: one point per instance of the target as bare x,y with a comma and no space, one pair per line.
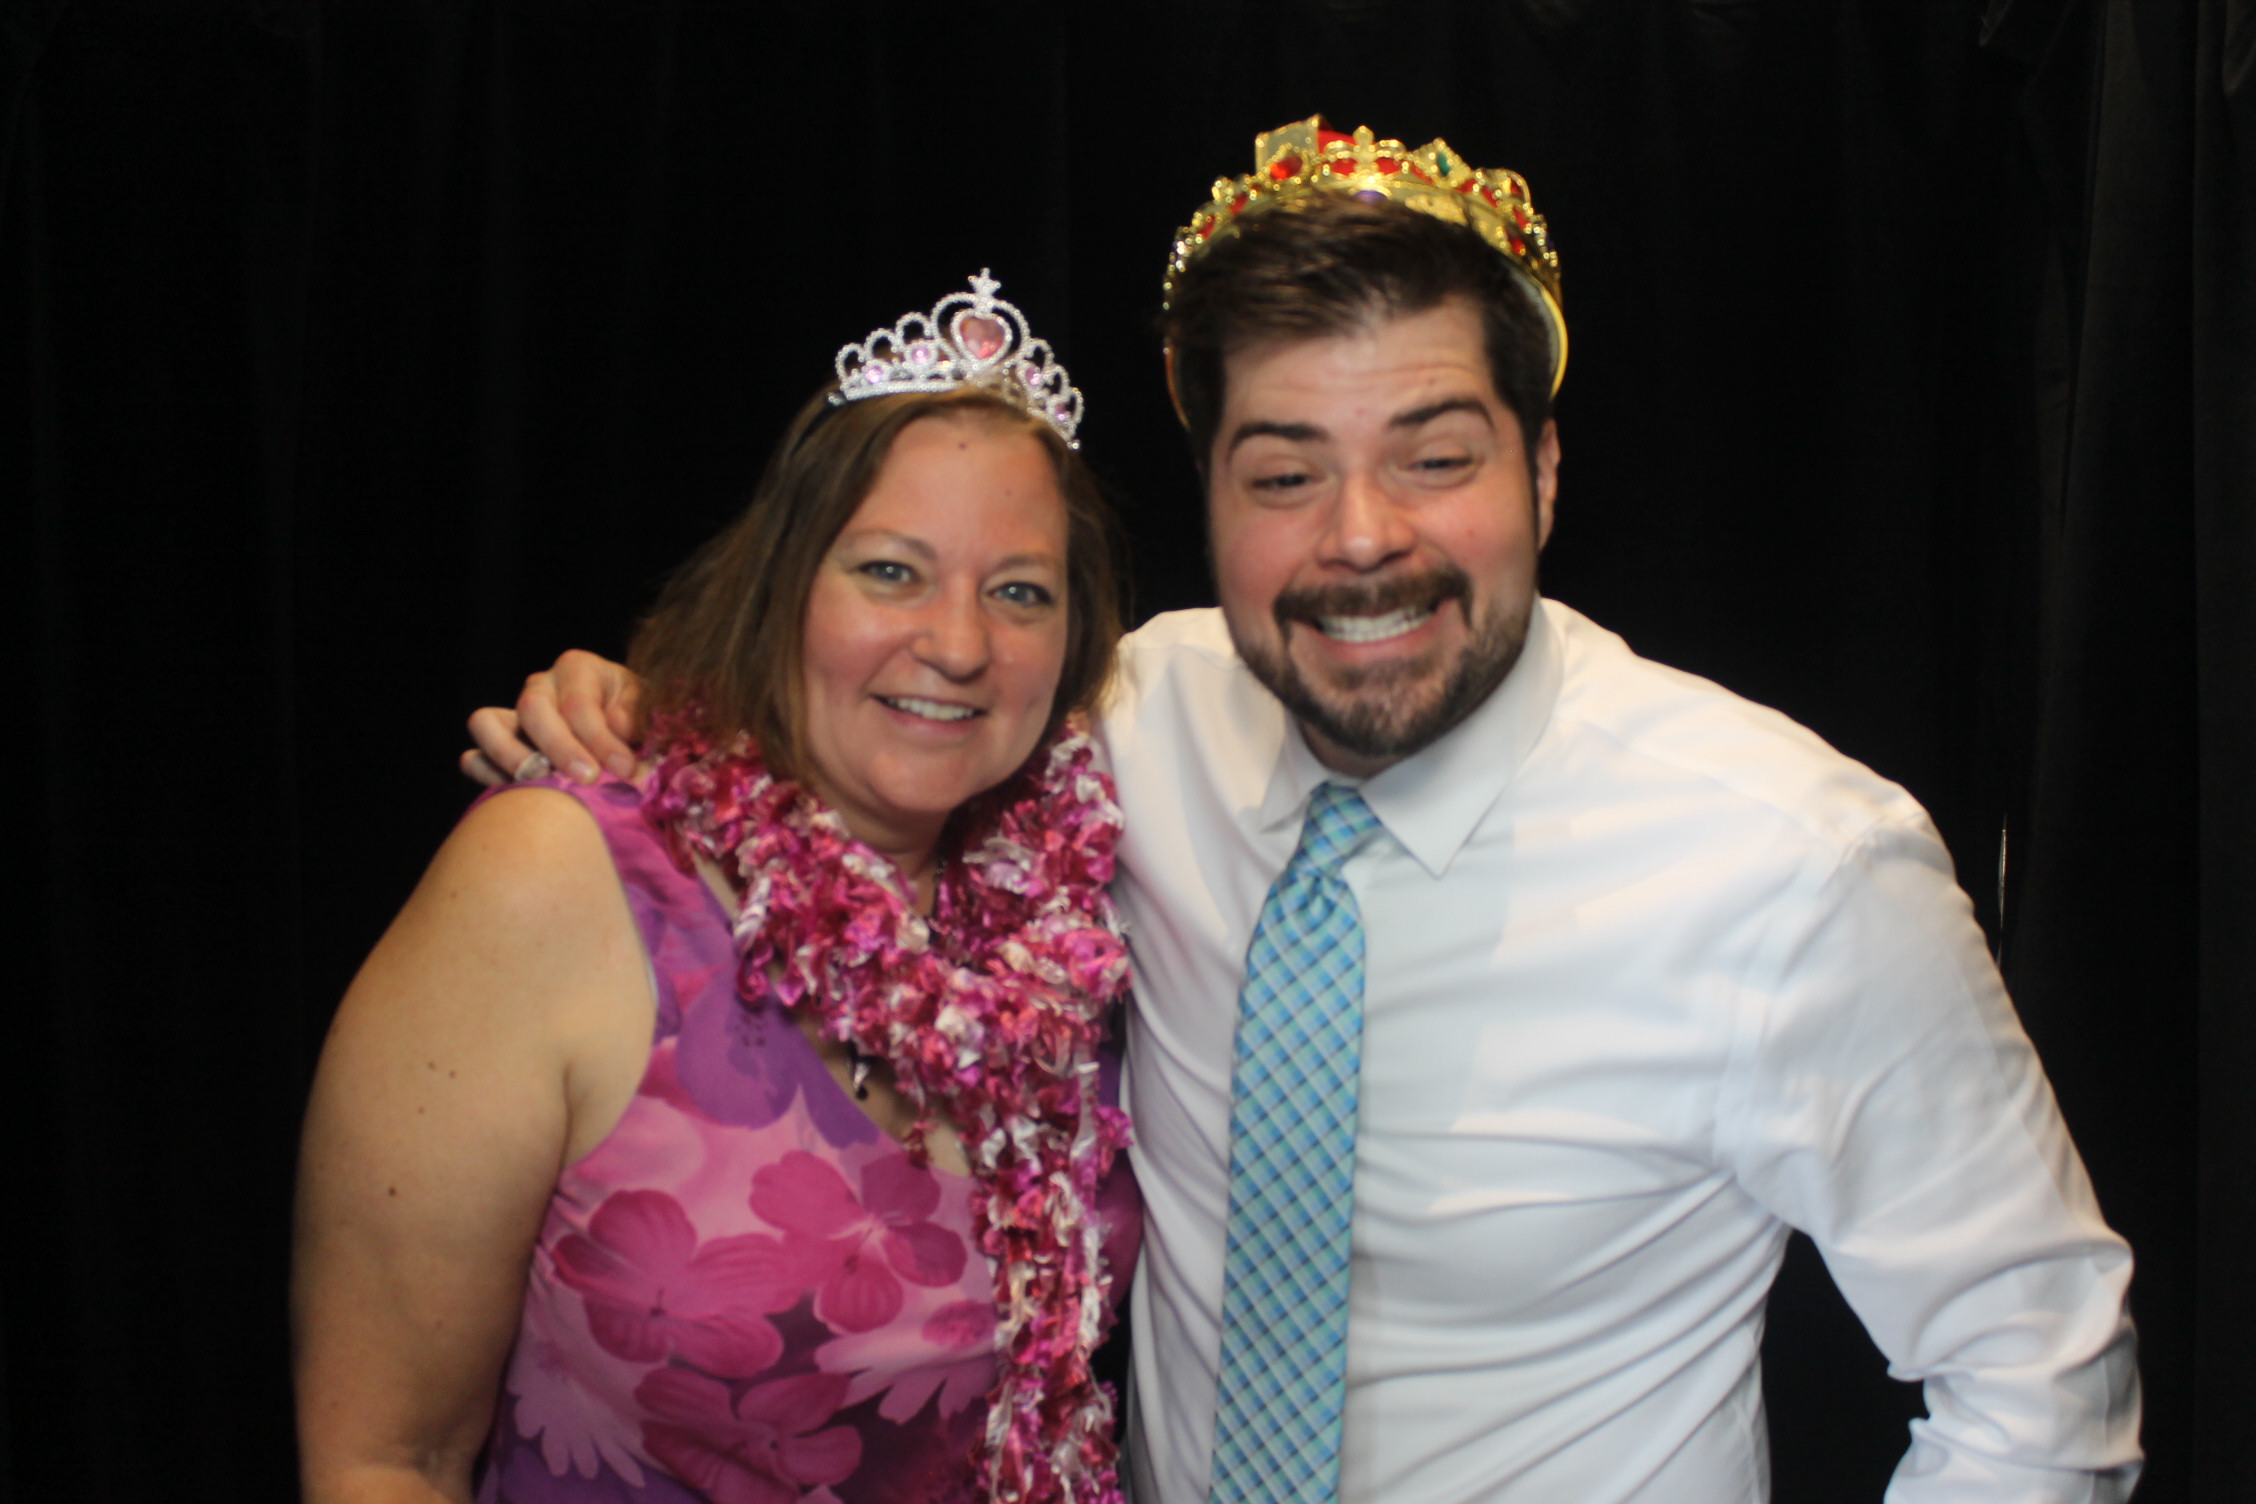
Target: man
1617,977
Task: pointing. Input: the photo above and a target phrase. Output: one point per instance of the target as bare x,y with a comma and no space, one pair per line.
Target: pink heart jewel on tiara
979,336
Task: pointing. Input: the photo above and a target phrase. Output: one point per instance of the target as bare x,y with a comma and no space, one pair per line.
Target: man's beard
1382,712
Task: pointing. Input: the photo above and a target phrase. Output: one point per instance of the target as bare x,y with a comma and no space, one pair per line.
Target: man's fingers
598,700
501,755
540,719
494,733
577,716
479,768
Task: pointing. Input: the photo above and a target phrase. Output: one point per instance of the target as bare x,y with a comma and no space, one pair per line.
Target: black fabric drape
2129,914
354,358
2223,213
2111,735
158,1041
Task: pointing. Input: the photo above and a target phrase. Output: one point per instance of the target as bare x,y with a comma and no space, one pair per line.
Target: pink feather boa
990,1014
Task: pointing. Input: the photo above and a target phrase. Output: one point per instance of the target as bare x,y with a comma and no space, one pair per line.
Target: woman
636,1208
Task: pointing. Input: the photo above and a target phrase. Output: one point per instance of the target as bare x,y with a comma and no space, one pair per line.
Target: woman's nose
954,640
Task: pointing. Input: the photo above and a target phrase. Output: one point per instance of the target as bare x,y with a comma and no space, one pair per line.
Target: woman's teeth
1374,628
931,710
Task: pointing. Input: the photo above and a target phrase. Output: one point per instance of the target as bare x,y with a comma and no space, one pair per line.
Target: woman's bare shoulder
516,949
523,855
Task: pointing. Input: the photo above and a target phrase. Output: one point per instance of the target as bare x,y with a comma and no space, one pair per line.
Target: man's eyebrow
1418,417
1255,428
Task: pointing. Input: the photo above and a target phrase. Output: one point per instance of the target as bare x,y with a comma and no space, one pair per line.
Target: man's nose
1367,528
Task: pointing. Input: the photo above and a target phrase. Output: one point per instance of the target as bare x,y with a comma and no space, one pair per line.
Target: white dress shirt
1652,976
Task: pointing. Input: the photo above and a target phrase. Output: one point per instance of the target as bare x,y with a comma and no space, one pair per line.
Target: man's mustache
1422,591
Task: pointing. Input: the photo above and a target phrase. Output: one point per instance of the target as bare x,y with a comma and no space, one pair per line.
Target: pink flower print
824,1223
578,1429
652,1288
953,1355
761,1449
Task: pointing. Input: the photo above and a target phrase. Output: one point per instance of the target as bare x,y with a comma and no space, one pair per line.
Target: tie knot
1337,822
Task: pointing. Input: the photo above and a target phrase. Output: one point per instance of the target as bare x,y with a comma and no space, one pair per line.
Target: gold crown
1309,157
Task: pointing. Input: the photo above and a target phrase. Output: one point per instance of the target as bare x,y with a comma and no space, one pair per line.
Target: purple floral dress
747,1294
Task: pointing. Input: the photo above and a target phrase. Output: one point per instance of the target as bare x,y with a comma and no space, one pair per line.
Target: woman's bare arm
577,714
496,1033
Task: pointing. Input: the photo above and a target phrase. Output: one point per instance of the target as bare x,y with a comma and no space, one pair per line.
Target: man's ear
1546,480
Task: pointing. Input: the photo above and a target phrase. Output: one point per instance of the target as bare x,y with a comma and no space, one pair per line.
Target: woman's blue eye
887,572
1025,593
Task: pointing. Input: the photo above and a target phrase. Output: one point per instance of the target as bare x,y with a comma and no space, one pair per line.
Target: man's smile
1378,628
1363,613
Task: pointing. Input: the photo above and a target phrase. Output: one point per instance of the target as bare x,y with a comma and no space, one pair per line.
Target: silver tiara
968,339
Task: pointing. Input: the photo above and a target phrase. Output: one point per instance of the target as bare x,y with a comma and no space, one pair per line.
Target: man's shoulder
1184,708
1175,637
1668,726
1179,656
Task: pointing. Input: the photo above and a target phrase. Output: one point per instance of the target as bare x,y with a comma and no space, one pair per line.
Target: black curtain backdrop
356,357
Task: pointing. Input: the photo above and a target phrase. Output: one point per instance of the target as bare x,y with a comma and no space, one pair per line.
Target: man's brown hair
1328,264
728,632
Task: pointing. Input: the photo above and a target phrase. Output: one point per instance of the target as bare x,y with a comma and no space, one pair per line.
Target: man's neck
1337,758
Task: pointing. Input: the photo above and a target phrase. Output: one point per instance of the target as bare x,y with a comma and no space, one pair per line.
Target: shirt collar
1431,800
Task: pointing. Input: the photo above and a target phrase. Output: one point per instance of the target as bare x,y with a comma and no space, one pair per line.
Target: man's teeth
1374,628
931,710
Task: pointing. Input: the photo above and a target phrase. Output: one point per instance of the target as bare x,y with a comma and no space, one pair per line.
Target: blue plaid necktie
1292,1174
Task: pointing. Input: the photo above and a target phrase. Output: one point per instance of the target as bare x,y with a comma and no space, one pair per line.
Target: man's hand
575,715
